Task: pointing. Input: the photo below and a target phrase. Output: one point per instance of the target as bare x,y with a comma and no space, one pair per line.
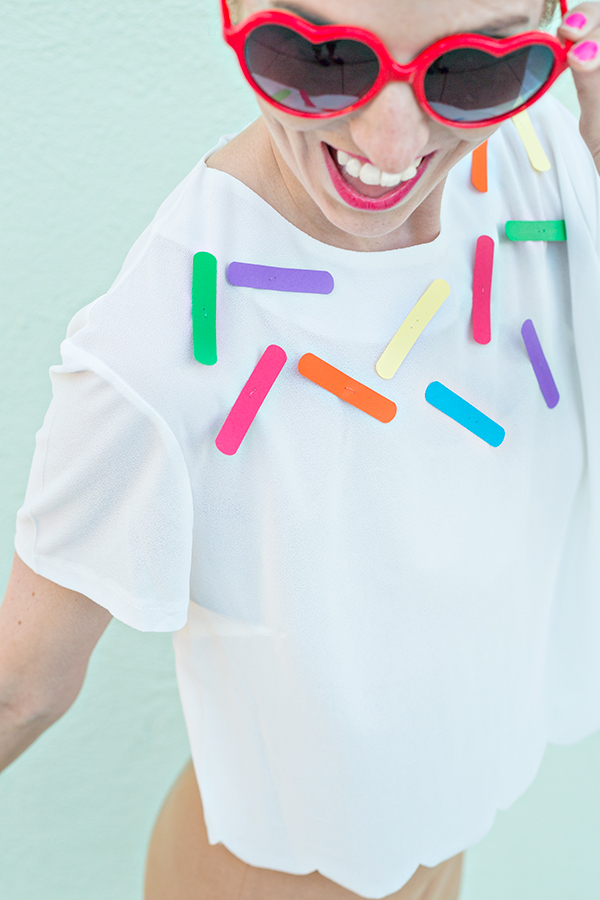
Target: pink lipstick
354,198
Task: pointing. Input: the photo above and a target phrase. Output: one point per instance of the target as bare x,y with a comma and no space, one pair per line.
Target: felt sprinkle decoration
482,287
204,308
539,364
535,151
250,400
346,388
550,230
466,415
269,278
479,168
417,319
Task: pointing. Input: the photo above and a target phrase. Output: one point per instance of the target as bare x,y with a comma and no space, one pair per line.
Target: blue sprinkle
466,415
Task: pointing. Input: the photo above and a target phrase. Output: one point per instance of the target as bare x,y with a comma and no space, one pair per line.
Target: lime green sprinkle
204,308
550,230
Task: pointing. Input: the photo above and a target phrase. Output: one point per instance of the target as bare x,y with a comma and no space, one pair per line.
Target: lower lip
359,201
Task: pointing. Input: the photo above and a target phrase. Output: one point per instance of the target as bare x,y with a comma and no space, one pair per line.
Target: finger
582,25
580,21
584,57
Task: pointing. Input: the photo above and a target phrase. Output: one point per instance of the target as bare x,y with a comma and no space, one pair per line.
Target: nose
393,129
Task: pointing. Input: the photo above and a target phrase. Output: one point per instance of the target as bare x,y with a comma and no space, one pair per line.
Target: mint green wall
106,106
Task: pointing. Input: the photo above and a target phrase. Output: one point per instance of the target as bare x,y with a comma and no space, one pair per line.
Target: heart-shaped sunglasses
320,71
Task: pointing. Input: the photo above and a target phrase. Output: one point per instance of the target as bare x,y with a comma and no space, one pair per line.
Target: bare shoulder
241,152
249,158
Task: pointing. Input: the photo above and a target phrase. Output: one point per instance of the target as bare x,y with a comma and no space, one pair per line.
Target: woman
392,613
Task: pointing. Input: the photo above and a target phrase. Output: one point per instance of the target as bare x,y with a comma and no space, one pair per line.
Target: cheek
467,140
471,136
295,129
299,128
295,139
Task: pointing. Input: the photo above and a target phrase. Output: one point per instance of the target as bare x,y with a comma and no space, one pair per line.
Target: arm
47,634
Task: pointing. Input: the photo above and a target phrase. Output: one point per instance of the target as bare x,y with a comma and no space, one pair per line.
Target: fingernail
585,52
576,21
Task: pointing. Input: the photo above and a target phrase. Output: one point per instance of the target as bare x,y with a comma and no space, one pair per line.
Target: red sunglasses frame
413,73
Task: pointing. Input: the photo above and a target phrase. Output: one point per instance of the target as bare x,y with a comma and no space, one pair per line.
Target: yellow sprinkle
535,151
418,318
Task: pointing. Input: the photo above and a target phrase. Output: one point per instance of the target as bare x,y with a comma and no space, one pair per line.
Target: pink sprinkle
482,286
576,21
250,400
586,51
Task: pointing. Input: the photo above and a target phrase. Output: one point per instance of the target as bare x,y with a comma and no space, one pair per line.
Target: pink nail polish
586,52
577,20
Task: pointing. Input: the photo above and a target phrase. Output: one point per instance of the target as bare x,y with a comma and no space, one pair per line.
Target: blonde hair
549,10
548,13
234,11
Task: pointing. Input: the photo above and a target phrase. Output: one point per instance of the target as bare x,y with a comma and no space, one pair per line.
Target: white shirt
388,622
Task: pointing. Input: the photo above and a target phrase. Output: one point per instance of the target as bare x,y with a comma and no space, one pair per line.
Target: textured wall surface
105,107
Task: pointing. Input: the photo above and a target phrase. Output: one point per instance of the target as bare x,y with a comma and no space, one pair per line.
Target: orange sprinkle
479,168
346,388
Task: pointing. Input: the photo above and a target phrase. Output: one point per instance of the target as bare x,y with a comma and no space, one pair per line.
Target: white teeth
353,167
370,174
388,180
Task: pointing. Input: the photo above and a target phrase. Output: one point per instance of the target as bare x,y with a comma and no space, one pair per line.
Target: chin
365,223
370,225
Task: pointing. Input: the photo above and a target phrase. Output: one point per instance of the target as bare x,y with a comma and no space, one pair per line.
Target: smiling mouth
375,197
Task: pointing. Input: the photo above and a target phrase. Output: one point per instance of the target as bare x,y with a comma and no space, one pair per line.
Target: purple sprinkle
540,366
269,278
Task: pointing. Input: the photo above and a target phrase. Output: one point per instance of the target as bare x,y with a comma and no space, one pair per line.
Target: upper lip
351,153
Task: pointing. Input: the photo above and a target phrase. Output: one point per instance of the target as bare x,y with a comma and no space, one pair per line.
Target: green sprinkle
204,308
537,231
281,95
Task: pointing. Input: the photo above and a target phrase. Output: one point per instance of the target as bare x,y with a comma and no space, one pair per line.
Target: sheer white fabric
388,622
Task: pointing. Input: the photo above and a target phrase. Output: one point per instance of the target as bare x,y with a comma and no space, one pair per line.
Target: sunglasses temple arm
227,17
564,9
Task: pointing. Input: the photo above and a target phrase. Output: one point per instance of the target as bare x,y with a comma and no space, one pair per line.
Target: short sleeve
108,509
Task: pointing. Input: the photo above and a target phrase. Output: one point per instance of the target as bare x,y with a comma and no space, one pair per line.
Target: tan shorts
182,865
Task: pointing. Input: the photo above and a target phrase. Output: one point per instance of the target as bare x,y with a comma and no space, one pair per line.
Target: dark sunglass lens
467,85
310,78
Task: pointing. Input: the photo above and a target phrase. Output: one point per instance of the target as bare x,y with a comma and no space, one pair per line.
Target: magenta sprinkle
250,400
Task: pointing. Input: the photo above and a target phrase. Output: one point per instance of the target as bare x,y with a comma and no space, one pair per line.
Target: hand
584,61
